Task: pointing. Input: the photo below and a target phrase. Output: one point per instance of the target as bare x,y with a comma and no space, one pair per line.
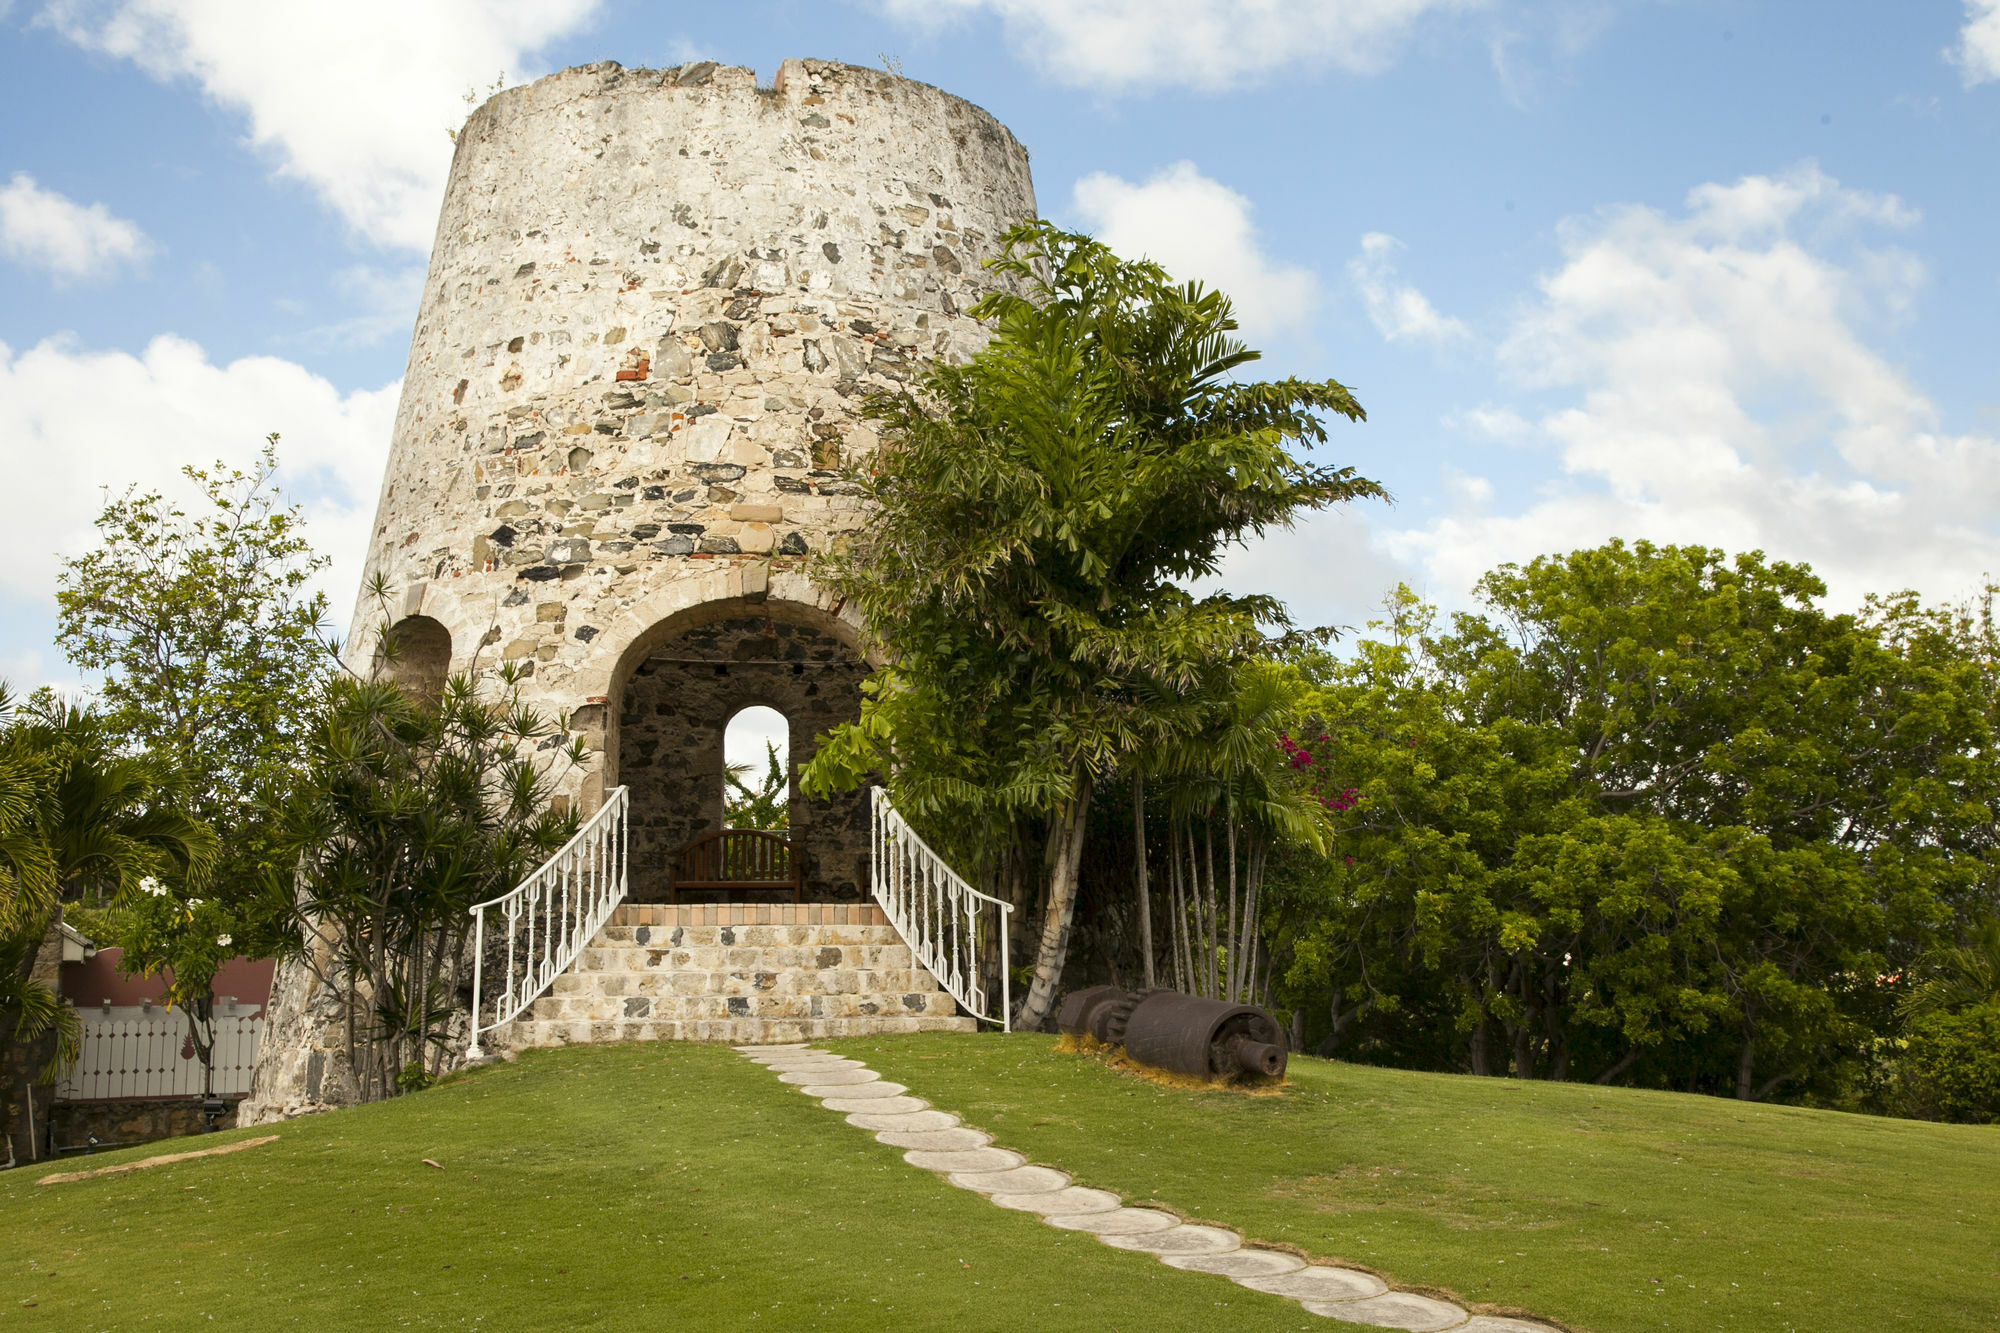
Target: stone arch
673,690
421,658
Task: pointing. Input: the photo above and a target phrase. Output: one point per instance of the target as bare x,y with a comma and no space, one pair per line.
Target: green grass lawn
1612,1210
644,1187
679,1186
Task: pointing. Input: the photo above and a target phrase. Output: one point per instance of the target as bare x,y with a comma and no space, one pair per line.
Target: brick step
687,1008
748,914
734,1032
748,981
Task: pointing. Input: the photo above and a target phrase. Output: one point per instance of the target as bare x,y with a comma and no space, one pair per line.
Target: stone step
749,981
826,957
734,1031
748,914
755,937
692,1008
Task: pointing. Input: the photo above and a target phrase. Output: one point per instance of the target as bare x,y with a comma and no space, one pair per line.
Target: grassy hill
680,1186
1610,1209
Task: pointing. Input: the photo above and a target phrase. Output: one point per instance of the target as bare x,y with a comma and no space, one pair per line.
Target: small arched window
418,656
757,770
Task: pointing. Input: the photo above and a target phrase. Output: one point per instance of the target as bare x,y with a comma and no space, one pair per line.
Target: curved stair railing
552,914
937,913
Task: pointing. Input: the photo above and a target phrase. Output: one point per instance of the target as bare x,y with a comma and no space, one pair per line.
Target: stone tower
655,302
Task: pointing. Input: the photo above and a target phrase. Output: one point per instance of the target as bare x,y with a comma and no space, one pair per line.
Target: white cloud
384,301
1712,385
78,421
1978,52
44,229
1210,45
1400,312
1199,229
353,99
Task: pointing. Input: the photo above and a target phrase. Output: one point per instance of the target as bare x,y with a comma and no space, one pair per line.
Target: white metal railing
552,914
936,912
153,1056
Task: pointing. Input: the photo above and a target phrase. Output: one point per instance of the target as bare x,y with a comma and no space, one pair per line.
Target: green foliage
407,809
210,644
766,806
1656,815
82,823
106,819
1949,1068
1034,513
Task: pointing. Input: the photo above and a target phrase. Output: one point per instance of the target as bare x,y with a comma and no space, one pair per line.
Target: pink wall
95,981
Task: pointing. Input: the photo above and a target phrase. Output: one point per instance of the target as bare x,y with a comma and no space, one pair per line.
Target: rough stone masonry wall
676,707
655,301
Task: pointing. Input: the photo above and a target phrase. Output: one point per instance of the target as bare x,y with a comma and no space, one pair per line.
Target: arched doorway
673,710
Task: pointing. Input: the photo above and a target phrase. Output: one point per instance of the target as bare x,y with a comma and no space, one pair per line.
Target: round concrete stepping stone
881,1103
1021,1180
1493,1323
825,1078
1319,1283
1238,1264
1395,1309
967,1160
762,1050
935,1140
817,1062
903,1121
1117,1222
1183,1239
854,1091
1071,1202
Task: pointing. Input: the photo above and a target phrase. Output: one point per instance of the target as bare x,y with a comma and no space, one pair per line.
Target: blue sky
1693,270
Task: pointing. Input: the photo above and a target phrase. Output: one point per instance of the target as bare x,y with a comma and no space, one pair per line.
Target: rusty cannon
1185,1034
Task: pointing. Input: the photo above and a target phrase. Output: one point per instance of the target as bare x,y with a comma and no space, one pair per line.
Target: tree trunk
1746,1063
1211,979
1623,1063
1233,966
1145,890
1065,860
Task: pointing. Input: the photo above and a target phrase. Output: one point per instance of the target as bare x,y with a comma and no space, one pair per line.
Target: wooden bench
737,859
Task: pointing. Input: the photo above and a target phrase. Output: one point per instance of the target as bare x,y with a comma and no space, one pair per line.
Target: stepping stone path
935,1141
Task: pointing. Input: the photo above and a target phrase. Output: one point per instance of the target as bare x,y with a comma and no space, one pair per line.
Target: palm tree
106,820
1037,514
1958,977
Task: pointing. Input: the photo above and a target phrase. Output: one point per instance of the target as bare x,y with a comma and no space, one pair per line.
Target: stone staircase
740,973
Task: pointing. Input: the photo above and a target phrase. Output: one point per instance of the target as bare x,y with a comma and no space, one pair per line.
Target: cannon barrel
1182,1033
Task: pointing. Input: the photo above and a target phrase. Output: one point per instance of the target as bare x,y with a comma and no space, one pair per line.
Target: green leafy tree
177,934
1035,515
409,807
210,643
1655,815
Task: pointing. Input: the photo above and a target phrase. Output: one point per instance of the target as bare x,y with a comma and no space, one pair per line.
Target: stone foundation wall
120,1123
670,730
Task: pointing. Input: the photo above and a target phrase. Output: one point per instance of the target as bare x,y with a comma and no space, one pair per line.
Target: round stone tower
655,303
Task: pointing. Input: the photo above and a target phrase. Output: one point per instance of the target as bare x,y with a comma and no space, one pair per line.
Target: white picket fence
151,1057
